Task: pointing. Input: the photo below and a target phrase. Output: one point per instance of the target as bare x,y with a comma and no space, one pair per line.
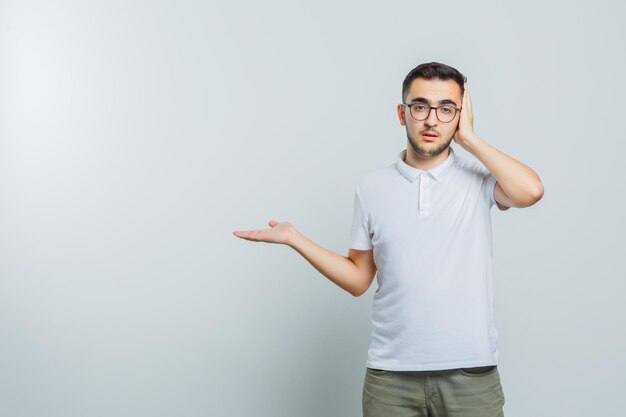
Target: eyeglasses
420,111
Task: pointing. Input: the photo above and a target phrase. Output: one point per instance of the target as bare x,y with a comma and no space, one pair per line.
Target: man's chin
428,152
428,149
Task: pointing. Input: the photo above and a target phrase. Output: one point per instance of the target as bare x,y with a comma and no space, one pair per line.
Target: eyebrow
425,100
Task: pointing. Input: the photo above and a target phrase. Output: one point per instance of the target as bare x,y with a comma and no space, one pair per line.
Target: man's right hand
353,273
279,232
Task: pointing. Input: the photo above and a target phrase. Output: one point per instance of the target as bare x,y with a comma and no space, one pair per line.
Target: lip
429,138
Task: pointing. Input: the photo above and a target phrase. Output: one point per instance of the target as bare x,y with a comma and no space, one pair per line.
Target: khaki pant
463,392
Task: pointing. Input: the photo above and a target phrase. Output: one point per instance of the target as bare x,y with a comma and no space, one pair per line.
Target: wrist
471,143
294,237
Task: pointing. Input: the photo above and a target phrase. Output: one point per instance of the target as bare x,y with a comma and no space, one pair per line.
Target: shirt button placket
424,201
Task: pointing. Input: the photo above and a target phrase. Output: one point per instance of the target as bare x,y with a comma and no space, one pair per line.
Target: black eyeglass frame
430,108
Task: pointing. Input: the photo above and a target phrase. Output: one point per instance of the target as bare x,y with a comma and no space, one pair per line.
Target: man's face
434,91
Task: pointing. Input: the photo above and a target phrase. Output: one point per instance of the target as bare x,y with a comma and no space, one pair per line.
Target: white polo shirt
431,235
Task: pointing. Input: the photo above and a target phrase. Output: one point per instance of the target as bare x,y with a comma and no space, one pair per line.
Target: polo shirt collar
412,174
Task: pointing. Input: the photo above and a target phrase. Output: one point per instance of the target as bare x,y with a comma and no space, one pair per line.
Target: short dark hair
432,70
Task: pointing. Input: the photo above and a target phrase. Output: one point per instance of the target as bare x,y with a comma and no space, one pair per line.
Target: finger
464,100
468,103
247,234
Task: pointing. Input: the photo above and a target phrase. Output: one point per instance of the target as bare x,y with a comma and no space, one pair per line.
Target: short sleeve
490,184
360,237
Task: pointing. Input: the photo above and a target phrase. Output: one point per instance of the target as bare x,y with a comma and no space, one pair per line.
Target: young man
422,226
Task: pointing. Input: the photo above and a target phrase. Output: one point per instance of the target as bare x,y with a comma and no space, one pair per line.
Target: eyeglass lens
445,113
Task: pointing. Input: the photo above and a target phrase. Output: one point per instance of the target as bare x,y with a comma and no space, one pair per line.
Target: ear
401,114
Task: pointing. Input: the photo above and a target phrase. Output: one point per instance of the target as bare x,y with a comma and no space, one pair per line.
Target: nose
431,120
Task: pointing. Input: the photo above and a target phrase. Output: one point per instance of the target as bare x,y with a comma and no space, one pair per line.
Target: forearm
337,268
518,181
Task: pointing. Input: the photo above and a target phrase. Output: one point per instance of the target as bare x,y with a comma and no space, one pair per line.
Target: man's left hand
465,130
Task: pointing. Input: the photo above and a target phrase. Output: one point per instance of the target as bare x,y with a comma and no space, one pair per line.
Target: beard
427,152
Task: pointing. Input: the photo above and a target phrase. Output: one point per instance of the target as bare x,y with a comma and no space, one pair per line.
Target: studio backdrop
135,136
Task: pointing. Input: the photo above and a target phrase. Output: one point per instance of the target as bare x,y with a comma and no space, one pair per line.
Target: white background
136,136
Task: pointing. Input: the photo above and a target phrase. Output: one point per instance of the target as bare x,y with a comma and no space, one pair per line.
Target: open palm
279,232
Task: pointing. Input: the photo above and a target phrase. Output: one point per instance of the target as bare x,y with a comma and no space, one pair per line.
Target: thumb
272,223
